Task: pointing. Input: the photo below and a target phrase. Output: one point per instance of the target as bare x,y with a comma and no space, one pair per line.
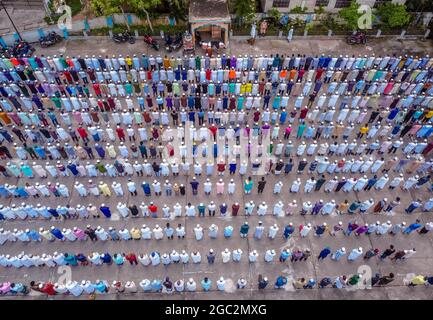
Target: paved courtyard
313,45
421,263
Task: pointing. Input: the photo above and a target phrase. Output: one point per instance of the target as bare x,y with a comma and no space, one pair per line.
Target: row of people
279,209
150,62
225,96
155,258
166,285
260,231
200,69
398,115
224,154
332,185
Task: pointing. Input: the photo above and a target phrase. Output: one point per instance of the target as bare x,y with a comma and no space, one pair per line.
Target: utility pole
10,19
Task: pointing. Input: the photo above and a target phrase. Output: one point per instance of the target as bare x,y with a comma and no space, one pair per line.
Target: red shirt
120,133
68,76
208,74
155,133
14,61
256,116
147,117
100,104
70,63
319,73
82,132
153,208
303,113
221,167
213,129
301,73
49,289
96,88
111,103
131,257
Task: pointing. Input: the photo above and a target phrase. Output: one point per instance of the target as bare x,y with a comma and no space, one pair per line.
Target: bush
393,15
319,10
75,6
298,9
274,15
53,5
350,15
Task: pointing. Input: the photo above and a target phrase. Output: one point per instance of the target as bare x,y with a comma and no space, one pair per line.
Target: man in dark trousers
261,185
194,185
262,282
387,252
211,257
385,280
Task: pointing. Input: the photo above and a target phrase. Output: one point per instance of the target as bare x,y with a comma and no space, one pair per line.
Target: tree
108,7
275,15
351,15
419,5
393,15
245,10
178,9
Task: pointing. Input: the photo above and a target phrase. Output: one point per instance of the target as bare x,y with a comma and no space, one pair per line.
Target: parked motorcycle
22,48
173,44
123,37
6,52
50,39
150,41
357,38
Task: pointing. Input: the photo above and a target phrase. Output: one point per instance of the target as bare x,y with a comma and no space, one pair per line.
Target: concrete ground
311,45
24,19
419,264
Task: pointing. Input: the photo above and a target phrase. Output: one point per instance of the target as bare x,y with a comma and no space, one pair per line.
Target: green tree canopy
350,15
107,7
244,9
419,5
393,15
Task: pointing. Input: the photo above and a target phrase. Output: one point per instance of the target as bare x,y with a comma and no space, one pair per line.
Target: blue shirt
206,284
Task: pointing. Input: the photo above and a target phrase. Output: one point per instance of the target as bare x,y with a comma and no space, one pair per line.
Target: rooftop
208,10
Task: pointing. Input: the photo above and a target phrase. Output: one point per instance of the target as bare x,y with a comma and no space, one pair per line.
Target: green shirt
57,102
232,87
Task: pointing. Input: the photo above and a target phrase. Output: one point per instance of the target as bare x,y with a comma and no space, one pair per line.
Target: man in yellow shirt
363,130
417,280
128,61
166,63
105,190
135,234
428,115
